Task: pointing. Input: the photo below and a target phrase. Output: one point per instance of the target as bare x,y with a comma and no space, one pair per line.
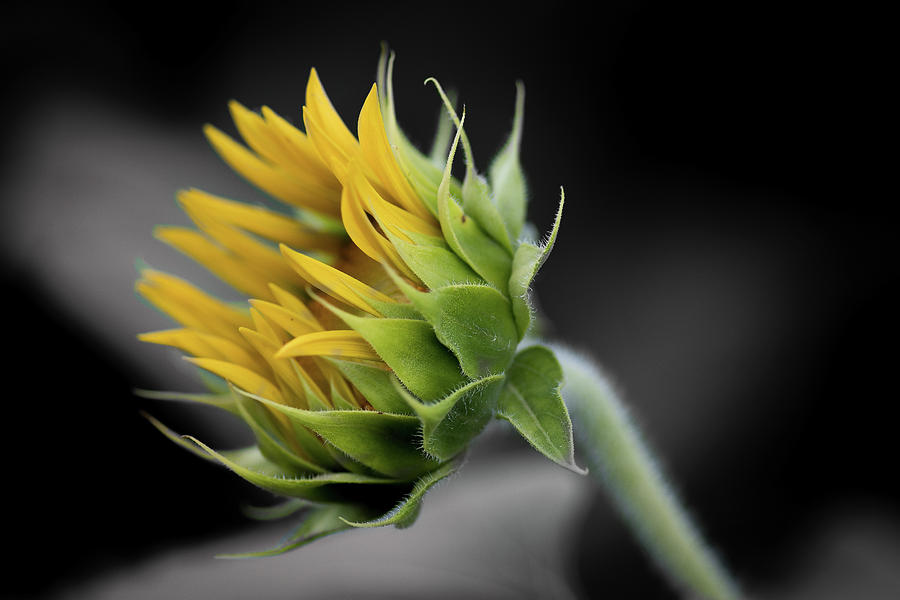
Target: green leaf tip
451,423
405,513
506,177
526,263
531,401
475,321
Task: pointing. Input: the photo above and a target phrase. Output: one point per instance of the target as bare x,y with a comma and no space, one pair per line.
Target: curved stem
617,455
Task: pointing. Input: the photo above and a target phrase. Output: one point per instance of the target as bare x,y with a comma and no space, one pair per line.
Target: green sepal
506,177
249,464
384,442
348,463
432,260
224,400
450,424
313,401
375,384
319,522
312,446
338,400
531,401
443,134
259,421
411,349
421,171
463,234
394,310
405,513
476,193
526,263
278,511
474,321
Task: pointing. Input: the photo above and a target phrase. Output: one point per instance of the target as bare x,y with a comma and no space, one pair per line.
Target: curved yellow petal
257,257
240,376
331,152
366,237
295,305
302,150
390,216
327,117
204,345
292,389
292,188
334,282
190,306
294,323
377,152
264,328
334,343
216,259
258,220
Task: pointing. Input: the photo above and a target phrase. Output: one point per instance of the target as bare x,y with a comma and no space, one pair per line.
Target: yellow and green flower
387,307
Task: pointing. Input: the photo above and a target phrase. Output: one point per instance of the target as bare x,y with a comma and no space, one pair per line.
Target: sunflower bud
386,310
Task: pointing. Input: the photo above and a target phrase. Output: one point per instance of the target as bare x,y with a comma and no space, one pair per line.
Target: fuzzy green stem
616,454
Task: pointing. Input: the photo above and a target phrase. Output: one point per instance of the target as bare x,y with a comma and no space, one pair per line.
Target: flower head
386,307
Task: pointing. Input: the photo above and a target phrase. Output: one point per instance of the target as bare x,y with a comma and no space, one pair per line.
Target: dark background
725,252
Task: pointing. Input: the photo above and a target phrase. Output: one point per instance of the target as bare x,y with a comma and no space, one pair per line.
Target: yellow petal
334,282
266,348
258,220
302,150
190,306
242,377
335,343
327,117
258,257
331,152
366,237
295,324
291,188
377,152
220,262
264,328
294,304
204,345
391,217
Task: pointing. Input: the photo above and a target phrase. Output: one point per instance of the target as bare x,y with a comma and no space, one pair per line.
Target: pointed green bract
531,401
526,263
465,237
224,401
434,263
450,424
411,349
405,513
474,321
259,421
384,442
506,176
421,171
376,385
277,511
476,193
319,522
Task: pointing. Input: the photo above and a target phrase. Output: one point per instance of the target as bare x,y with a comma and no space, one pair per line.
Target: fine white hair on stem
617,454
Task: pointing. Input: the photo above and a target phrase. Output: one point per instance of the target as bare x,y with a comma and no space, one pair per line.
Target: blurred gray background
725,255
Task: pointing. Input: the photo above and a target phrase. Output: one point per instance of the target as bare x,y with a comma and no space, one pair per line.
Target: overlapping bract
385,313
